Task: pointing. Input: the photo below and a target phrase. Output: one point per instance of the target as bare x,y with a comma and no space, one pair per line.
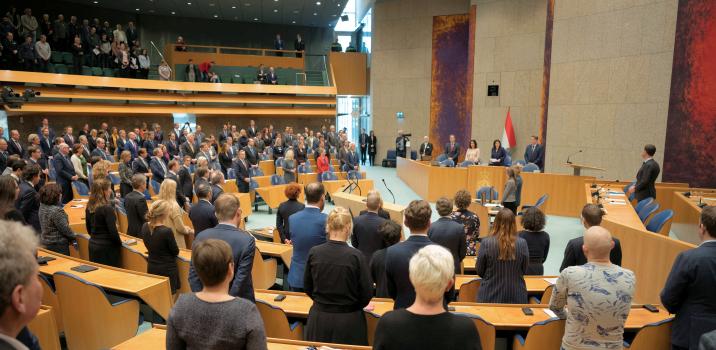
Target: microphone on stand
569,156
391,192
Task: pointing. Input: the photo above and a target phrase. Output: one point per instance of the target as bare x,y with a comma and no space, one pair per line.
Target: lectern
577,168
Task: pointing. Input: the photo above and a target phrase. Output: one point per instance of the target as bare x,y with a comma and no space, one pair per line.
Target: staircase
315,78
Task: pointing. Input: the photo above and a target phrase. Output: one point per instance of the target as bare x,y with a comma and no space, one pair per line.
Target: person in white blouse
473,153
79,163
144,64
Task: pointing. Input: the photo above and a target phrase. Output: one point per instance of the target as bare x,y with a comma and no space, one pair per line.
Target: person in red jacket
321,163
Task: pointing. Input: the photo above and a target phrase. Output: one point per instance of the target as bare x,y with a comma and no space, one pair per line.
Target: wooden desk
307,178
503,316
268,167
649,255
273,195
469,263
276,250
356,203
153,290
334,186
687,214
535,284
44,327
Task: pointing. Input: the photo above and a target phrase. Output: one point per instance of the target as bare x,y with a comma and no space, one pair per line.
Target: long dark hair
505,232
496,144
473,141
8,192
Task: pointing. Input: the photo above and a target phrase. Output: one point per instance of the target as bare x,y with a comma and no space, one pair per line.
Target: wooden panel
133,110
481,176
445,182
350,70
83,80
415,175
564,192
356,203
44,327
223,56
687,214
49,92
649,255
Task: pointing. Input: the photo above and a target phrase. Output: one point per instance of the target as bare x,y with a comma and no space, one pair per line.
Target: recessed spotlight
256,19
174,13
137,9
247,4
318,3
275,0
293,22
338,4
212,5
216,16
188,3
233,7
275,10
96,2
296,11
236,17
315,13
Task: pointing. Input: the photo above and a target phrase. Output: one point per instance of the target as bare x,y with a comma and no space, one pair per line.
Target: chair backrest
253,184
80,188
648,209
154,186
122,222
371,321
468,291
466,164
520,162
654,336
256,172
263,272
485,329
626,188
83,245
328,176
114,178
278,162
354,175
642,203
541,200
489,192
230,173
331,168
49,298
545,335
508,160
530,168
545,298
391,154
441,157
277,180
263,156
304,168
95,322
659,219
275,322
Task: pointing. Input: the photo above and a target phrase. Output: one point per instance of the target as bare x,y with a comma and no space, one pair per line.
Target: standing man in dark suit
366,237
35,158
182,200
46,142
100,151
50,132
202,214
397,258
135,204
243,247
241,170
363,142
185,182
140,165
689,289
573,253
217,179
426,148
252,154
188,148
534,153
68,137
65,172
156,164
28,202
452,149
646,177
14,146
307,230
448,232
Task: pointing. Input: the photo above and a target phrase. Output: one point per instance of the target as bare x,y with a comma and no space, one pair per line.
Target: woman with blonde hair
168,192
104,244
289,167
502,262
125,173
338,281
160,243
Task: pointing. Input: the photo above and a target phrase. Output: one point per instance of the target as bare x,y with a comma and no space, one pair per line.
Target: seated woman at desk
161,245
234,323
497,154
338,281
473,153
104,244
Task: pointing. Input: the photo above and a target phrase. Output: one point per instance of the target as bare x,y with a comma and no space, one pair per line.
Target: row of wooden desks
153,290
503,316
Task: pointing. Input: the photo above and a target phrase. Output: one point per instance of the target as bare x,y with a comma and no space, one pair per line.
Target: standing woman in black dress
338,280
161,245
537,240
372,148
104,245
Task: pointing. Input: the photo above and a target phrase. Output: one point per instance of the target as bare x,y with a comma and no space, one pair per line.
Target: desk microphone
386,187
569,156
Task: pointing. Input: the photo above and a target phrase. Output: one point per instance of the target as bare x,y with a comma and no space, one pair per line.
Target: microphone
569,156
386,187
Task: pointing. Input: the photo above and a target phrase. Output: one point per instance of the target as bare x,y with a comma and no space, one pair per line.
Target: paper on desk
492,205
551,280
77,206
550,313
617,202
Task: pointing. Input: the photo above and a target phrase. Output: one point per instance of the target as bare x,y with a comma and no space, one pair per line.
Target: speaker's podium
356,203
577,168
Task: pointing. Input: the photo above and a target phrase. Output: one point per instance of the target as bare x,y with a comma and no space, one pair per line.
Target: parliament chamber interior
357,174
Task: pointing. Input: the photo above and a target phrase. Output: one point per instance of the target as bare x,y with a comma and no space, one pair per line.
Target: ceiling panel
288,12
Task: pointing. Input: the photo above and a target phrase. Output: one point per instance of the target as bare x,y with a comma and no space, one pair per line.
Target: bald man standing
600,295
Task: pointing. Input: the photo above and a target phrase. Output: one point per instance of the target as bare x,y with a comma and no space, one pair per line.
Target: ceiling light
296,11
212,5
174,13
188,3
275,10
294,22
137,9
247,4
96,2
338,4
216,16
256,19
315,14
233,7
318,3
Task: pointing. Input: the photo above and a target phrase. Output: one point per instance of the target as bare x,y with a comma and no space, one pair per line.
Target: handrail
162,56
217,49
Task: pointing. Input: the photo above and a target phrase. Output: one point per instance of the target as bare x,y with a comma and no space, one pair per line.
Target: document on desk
550,313
551,280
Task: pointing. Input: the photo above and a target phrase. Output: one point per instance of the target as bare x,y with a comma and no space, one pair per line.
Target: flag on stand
508,134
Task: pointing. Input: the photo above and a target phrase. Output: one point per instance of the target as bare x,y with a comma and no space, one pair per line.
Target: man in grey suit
448,232
689,289
243,246
646,176
135,204
366,237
